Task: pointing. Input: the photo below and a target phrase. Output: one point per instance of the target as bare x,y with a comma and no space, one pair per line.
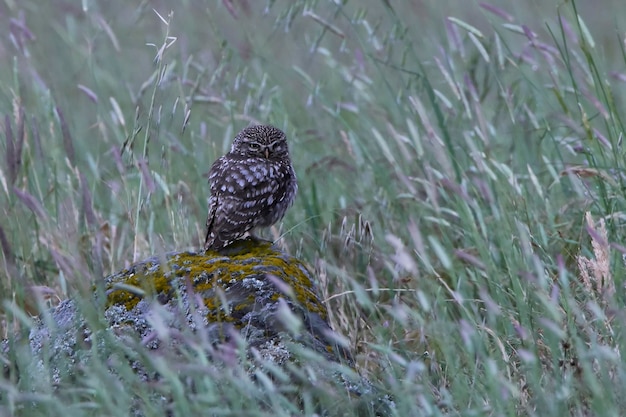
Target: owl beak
267,153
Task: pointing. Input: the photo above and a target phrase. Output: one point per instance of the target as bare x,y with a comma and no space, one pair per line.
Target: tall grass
461,176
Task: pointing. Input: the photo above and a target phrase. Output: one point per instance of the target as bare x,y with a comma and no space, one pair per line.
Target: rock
250,299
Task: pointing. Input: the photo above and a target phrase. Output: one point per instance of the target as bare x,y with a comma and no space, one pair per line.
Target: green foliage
446,158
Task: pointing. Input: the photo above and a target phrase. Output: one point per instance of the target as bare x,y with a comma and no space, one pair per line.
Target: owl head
261,141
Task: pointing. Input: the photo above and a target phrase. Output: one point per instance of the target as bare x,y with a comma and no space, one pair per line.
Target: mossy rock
245,286
250,307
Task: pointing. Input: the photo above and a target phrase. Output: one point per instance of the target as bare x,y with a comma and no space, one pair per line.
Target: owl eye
254,146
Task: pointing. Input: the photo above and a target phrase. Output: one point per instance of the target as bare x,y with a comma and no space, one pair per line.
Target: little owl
253,185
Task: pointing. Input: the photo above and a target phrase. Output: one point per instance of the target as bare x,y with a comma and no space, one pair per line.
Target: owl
252,186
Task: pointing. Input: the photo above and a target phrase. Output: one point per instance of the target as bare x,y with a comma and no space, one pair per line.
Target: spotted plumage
252,186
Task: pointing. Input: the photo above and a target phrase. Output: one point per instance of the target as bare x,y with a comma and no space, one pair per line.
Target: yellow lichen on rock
211,270
242,285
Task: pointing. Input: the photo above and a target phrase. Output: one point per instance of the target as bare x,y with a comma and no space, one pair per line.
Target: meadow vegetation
461,171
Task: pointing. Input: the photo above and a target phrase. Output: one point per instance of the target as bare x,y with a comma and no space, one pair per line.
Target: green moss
226,281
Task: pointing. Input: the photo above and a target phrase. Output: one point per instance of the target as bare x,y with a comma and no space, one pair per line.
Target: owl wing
242,192
229,219
209,240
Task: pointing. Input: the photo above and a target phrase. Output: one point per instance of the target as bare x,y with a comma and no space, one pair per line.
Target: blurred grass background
447,152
